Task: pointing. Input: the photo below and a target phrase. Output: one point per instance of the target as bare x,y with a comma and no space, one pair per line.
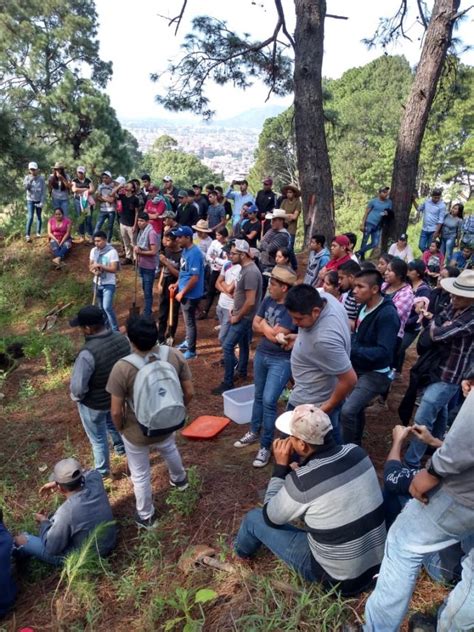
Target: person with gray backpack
150,390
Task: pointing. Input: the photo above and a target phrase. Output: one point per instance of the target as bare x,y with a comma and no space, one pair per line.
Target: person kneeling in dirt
150,389
86,507
335,491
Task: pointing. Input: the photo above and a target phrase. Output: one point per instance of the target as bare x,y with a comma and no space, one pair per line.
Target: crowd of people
337,341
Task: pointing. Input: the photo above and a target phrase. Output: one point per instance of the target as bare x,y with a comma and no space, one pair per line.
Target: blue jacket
373,343
7,585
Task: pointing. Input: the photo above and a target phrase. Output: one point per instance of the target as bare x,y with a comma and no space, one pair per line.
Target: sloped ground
39,425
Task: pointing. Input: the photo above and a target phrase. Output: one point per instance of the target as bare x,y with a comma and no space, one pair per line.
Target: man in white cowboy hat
275,238
202,238
453,330
335,491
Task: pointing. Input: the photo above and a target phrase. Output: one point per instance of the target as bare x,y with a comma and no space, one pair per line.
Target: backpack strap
164,353
139,361
135,360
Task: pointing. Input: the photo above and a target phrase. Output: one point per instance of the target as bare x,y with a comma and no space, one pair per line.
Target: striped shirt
337,494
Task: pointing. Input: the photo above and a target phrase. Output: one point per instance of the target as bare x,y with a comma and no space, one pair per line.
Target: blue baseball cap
183,231
252,208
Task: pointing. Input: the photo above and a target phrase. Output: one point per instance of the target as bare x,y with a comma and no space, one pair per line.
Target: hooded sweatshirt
317,261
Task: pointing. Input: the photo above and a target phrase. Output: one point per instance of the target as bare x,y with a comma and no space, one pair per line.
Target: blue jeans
426,237
458,610
291,248
85,221
148,278
352,414
62,204
110,219
34,547
189,307
32,208
419,530
97,423
432,413
447,247
373,233
60,251
271,373
238,333
288,543
105,300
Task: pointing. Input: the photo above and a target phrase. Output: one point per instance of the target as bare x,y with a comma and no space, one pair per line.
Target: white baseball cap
81,170
305,422
32,165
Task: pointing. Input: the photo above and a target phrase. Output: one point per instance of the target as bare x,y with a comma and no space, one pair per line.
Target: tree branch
336,17
281,17
177,19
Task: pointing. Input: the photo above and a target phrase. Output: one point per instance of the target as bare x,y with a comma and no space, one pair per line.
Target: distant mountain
250,119
253,118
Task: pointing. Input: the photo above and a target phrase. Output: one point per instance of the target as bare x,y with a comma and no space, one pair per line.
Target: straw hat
291,187
58,165
202,226
463,285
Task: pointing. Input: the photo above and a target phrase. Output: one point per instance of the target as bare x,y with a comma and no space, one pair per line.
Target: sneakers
180,485
420,622
189,355
28,239
262,458
146,523
183,346
222,388
38,234
248,438
202,316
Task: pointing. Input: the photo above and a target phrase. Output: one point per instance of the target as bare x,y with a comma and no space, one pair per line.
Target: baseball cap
81,170
283,274
197,186
268,181
403,237
242,246
88,316
120,180
106,173
167,179
342,240
306,422
32,165
66,471
382,189
252,208
169,214
184,231
183,193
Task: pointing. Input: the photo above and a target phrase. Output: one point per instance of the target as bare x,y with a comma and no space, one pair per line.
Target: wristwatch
431,470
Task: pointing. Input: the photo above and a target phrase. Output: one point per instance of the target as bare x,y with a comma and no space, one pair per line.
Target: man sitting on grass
335,491
85,508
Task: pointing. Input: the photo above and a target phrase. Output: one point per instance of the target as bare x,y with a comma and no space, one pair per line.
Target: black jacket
373,344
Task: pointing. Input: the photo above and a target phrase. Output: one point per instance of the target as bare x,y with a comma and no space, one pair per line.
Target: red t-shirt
335,264
157,209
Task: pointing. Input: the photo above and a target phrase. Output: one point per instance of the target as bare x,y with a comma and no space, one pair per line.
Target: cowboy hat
291,187
463,285
202,226
276,214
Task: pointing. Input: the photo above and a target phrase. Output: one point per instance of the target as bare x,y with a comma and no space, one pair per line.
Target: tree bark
412,128
312,152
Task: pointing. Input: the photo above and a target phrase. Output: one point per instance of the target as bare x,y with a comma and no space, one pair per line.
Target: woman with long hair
399,290
451,230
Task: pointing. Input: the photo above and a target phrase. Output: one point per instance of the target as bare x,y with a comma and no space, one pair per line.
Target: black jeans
163,313
189,307
212,292
368,386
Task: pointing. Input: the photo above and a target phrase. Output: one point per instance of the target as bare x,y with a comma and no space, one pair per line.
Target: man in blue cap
190,287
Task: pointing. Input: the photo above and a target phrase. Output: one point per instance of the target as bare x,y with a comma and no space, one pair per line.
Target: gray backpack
157,394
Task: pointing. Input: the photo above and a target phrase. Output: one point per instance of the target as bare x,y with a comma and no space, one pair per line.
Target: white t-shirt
405,255
105,278
230,274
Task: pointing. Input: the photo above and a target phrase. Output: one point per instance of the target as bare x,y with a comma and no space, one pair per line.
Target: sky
136,52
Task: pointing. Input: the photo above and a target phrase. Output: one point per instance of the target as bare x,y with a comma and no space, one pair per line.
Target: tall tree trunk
312,152
412,128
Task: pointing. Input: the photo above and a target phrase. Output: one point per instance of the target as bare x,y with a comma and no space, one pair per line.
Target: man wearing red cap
339,254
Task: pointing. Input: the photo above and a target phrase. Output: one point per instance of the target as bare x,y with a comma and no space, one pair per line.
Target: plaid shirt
403,301
457,331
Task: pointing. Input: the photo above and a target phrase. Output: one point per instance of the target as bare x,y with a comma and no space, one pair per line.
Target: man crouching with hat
335,491
85,508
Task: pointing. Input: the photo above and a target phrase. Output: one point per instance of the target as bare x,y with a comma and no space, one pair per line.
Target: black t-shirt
130,206
82,184
187,214
203,204
265,201
249,227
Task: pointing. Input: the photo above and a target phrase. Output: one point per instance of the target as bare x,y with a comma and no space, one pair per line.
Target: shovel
94,295
134,309
170,340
